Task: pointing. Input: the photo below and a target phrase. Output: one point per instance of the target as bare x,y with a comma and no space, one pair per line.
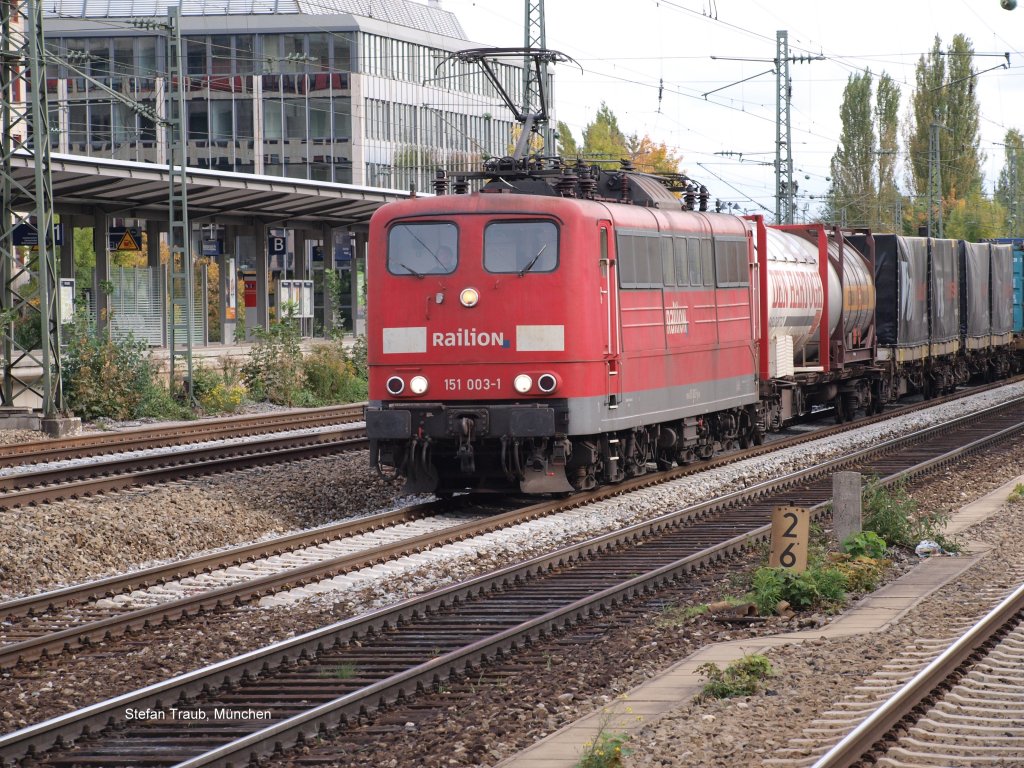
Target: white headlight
469,297
418,384
522,383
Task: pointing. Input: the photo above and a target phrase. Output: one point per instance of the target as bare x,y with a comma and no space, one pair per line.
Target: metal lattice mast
25,125
179,230
535,71
784,203
934,181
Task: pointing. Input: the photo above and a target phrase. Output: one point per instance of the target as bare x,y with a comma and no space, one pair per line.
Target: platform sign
67,300
791,529
124,239
277,250
231,305
213,247
27,234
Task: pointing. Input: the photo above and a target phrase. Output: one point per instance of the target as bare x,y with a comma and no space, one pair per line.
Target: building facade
362,92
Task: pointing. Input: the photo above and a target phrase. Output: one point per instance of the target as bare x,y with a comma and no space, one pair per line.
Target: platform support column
101,275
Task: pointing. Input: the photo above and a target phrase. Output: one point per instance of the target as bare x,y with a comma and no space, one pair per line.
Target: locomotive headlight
418,384
395,385
546,383
469,297
522,383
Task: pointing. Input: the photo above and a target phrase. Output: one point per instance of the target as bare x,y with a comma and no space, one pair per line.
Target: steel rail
856,744
70,726
74,482
34,605
178,433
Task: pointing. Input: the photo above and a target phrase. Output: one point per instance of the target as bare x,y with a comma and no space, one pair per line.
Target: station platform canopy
128,189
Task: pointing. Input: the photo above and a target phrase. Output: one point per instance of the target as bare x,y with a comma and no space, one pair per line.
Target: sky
653,61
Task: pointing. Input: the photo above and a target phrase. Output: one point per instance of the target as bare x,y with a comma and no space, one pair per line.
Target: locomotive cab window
423,249
519,247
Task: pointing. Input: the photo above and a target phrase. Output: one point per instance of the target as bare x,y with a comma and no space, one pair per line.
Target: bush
216,392
865,544
274,369
741,678
893,515
815,587
862,574
104,378
332,375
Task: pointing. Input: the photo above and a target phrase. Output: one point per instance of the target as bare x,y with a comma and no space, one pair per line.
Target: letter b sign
275,246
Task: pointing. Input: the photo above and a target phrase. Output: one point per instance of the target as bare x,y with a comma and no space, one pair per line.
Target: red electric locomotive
552,335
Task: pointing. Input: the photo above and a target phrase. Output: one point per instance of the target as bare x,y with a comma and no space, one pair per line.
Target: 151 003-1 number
472,385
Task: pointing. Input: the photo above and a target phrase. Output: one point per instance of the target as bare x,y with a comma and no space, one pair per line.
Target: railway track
960,708
251,705
49,624
179,433
56,480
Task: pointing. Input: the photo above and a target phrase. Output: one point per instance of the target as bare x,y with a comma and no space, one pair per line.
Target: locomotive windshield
521,247
423,249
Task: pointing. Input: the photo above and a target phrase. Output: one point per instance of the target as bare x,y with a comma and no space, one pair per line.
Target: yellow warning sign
127,242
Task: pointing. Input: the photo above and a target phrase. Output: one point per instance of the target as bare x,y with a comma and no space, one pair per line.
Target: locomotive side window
668,266
707,263
693,259
681,268
423,249
731,263
520,247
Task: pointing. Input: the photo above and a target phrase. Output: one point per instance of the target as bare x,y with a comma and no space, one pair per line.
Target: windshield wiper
411,270
533,261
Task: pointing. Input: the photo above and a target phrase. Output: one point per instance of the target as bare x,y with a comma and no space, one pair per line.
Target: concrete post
846,504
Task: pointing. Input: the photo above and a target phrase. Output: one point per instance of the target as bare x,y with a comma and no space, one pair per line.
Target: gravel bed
71,541
59,543
574,676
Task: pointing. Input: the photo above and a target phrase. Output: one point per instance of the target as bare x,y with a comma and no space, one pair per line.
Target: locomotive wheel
748,432
840,409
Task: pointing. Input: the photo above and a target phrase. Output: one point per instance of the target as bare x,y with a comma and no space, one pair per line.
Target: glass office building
354,91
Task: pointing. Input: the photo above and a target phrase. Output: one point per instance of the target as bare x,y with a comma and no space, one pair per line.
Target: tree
650,157
887,108
945,96
603,139
853,187
1010,186
566,143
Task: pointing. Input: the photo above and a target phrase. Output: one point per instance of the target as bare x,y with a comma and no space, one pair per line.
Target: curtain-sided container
901,286
944,296
976,298
1002,293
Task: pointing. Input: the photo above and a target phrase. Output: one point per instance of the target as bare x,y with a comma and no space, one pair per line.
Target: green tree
566,142
853,185
926,108
603,139
1010,186
887,108
945,95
